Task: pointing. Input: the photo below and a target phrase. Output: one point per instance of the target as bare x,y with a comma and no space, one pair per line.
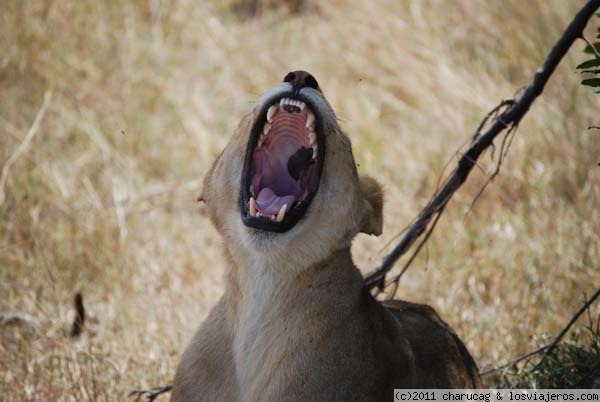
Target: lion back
441,358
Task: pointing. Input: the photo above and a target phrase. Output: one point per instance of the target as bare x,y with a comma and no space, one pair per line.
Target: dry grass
144,95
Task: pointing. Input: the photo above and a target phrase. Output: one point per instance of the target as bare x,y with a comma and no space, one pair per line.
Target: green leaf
588,48
589,63
591,82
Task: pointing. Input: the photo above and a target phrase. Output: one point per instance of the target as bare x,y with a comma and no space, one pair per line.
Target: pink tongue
268,203
270,173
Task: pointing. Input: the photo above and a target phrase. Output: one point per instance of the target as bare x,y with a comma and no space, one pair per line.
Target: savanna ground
144,94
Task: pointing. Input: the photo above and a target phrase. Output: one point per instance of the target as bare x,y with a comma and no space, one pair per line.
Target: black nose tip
300,79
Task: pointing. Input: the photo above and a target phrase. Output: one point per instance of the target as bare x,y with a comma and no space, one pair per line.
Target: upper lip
292,215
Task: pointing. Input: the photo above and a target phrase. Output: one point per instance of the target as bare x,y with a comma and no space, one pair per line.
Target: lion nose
300,79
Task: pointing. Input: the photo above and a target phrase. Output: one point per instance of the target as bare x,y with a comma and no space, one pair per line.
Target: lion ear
202,195
372,193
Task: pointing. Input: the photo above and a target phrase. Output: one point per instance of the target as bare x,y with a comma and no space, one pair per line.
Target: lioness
295,322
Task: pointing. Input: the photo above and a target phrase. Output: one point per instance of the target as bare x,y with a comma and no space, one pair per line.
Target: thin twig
150,394
550,347
23,145
506,143
510,117
567,327
396,280
591,45
515,360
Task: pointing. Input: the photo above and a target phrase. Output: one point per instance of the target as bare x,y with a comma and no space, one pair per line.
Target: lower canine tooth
312,138
251,207
315,148
281,213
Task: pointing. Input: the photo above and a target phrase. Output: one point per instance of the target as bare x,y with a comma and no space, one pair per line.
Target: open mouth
283,165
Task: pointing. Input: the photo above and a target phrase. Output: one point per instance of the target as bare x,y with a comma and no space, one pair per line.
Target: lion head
286,184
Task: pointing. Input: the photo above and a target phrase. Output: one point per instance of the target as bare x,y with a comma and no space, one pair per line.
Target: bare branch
568,326
482,140
550,347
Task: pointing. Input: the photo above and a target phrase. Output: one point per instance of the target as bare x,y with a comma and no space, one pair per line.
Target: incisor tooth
271,113
281,213
266,128
251,207
310,118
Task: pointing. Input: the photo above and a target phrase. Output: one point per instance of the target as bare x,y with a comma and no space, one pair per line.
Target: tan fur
295,322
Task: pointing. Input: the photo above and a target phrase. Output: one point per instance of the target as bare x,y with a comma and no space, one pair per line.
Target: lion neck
264,295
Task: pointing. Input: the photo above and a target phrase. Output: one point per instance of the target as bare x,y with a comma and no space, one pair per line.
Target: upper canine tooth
271,112
302,105
251,207
310,118
282,102
281,213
